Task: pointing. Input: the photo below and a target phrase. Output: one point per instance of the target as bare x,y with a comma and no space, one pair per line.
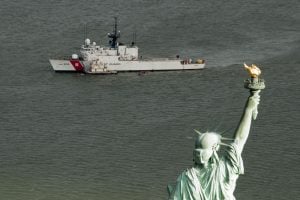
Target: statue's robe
216,181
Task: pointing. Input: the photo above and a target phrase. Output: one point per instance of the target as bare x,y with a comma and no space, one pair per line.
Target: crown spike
224,138
199,133
221,143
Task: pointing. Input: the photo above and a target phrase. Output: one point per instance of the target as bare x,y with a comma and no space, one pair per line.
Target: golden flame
254,71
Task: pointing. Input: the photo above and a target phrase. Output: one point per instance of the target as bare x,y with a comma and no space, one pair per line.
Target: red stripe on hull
77,65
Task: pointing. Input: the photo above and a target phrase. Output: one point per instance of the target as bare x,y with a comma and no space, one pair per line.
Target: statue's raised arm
243,129
255,85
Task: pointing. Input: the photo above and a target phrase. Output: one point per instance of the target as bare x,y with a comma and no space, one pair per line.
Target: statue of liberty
213,177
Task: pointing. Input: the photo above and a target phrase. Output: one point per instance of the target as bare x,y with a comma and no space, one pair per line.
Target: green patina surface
213,177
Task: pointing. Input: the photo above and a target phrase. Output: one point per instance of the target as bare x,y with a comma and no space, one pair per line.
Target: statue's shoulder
190,173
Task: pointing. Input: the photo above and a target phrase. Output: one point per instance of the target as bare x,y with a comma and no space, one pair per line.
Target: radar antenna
114,35
133,39
85,31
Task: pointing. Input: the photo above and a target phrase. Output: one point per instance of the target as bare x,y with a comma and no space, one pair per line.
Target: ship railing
156,59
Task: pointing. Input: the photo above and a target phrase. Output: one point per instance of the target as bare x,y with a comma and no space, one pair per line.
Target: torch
254,84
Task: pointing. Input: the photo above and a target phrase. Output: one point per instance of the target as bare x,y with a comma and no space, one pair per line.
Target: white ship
95,59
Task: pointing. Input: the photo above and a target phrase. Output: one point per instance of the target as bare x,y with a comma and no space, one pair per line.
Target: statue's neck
202,165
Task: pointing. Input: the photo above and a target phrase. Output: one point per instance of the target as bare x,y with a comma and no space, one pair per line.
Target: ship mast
85,31
114,35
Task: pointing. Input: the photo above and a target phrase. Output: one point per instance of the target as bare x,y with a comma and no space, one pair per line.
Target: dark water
80,137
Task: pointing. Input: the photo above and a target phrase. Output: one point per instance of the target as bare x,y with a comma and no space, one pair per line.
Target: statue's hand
253,101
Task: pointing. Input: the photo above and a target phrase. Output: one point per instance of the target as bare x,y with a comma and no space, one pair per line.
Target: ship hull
125,66
67,65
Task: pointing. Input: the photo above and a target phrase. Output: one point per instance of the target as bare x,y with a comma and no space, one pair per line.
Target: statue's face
206,155
202,156
206,145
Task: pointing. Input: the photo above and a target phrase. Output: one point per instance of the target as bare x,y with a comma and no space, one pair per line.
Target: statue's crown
207,140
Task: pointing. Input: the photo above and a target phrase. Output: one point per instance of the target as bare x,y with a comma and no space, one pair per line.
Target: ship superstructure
117,57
